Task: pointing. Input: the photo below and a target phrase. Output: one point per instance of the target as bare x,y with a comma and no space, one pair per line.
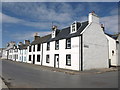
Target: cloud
60,0
8,19
28,35
59,12
111,23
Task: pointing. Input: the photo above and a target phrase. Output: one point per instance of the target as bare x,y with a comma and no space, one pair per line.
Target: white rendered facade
34,53
88,50
112,45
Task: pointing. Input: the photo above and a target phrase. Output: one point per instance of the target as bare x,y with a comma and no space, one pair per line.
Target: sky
20,20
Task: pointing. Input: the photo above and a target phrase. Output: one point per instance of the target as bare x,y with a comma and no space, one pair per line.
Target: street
21,75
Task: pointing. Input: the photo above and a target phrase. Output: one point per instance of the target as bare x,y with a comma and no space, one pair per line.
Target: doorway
33,59
56,61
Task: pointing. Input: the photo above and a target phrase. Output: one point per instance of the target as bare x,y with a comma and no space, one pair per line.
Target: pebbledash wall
89,49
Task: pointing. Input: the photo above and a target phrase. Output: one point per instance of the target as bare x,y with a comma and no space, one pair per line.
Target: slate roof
63,34
23,46
112,36
41,39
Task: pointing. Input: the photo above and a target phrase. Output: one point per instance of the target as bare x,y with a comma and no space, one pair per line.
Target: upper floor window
68,43
57,45
38,47
33,48
73,27
25,51
29,48
68,59
48,46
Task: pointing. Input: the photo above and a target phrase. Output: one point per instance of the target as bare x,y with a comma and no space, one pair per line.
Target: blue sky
20,20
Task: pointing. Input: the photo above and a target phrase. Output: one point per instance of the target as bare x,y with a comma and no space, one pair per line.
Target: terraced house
22,51
80,46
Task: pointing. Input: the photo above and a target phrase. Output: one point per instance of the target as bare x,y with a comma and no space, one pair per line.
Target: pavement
3,86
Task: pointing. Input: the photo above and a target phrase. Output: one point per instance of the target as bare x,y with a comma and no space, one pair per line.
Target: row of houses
80,46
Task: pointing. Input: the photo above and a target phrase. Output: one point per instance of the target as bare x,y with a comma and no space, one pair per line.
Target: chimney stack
27,42
20,43
54,27
102,26
93,18
36,37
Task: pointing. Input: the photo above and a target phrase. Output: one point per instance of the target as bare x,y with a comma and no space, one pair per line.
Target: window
48,46
38,47
112,52
20,58
25,59
57,45
73,27
68,43
29,57
29,48
33,48
38,58
25,51
68,60
16,56
47,59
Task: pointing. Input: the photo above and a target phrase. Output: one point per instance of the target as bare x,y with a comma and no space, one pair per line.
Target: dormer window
73,27
54,29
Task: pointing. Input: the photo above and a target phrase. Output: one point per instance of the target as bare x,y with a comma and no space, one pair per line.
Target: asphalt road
20,75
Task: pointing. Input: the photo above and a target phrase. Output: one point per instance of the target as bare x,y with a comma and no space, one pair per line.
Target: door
56,61
33,59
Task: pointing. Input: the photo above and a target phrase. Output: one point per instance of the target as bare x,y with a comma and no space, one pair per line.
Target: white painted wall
22,56
4,54
112,47
118,50
34,53
96,55
74,51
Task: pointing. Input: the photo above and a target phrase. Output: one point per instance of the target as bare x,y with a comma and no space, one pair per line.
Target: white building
22,52
4,54
81,46
118,49
15,53
9,50
113,50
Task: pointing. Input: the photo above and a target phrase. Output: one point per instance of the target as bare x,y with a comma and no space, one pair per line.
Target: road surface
20,75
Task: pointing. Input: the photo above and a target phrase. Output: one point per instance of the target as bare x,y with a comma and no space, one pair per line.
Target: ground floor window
24,58
47,59
38,58
68,60
16,56
29,57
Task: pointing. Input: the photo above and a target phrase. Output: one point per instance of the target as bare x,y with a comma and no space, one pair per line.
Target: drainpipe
81,52
42,54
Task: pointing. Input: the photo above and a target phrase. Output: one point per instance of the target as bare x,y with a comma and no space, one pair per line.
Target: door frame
55,60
